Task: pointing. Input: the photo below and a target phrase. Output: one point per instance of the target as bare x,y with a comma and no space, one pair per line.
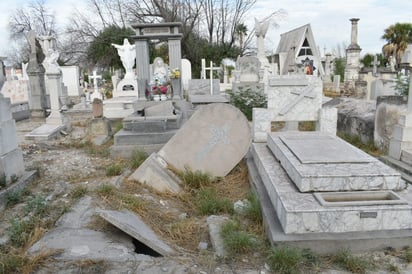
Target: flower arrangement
159,87
175,74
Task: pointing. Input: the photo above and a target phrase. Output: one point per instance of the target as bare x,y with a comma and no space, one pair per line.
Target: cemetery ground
71,169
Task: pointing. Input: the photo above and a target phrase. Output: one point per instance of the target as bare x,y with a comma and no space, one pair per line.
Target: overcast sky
329,19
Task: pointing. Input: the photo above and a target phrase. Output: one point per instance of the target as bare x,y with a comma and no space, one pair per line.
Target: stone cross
375,65
211,68
306,92
96,92
95,79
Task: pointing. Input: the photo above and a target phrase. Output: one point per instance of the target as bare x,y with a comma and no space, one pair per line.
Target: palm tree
241,31
398,37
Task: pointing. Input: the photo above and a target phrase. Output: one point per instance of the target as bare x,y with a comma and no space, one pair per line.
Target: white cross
306,92
211,68
375,65
95,78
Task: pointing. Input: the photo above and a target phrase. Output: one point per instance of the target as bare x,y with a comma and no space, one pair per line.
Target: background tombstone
70,78
146,32
35,72
186,73
11,157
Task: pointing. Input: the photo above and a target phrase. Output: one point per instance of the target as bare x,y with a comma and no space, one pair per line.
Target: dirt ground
65,166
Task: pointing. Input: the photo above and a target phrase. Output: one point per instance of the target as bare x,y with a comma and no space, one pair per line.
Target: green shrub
285,260
195,179
235,240
36,205
19,231
106,190
138,157
114,170
208,203
246,100
78,192
253,210
350,262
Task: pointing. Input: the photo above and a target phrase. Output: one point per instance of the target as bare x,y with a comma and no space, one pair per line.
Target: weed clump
208,202
138,157
235,240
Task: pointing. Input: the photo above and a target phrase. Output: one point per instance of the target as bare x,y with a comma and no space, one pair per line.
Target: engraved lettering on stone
218,135
368,215
306,92
155,30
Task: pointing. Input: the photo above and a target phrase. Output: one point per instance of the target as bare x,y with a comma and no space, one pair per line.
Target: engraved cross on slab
306,92
218,135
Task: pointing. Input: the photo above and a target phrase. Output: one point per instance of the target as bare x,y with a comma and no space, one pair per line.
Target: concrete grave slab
213,140
321,243
131,224
318,162
77,242
45,132
301,213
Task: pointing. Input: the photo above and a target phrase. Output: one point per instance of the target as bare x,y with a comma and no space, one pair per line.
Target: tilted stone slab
318,162
131,224
301,213
213,140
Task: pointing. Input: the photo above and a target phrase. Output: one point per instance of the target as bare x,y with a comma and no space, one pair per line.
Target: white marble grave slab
318,162
214,140
44,132
301,213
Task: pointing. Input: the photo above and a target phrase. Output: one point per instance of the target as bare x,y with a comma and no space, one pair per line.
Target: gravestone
97,108
248,75
11,157
213,140
71,79
336,83
186,73
292,99
35,72
96,93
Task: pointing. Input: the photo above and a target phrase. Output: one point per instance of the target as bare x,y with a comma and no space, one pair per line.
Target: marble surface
301,213
321,173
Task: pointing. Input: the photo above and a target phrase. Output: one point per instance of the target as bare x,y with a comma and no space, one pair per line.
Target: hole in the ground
141,248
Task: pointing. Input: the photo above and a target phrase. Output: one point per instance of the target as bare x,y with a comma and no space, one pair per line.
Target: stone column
142,63
37,91
328,62
354,32
353,55
175,58
54,82
11,157
2,74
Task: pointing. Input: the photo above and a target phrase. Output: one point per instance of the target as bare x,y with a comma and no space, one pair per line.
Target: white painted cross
96,92
211,68
375,65
306,92
95,79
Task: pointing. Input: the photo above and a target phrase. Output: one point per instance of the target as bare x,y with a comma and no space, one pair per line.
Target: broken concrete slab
131,224
154,172
215,223
77,242
213,140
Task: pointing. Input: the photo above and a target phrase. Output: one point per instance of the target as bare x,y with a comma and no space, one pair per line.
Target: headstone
97,108
11,157
16,90
71,79
99,131
292,99
202,87
35,71
186,73
336,83
213,140
211,70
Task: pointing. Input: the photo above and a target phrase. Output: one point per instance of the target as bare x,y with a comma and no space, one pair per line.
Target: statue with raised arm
127,55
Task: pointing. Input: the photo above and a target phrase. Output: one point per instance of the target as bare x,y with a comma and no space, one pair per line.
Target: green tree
398,37
102,53
368,58
402,85
340,67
